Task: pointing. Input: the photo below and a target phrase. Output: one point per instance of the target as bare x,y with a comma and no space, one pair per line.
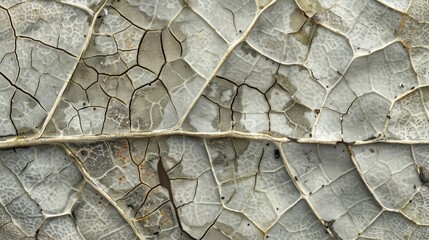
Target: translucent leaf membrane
41,44
265,119
180,187
324,71
44,195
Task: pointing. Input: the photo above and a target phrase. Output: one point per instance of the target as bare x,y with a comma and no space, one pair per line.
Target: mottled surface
195,119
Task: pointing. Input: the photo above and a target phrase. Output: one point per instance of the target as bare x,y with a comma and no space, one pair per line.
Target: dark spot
311,135
371,150
424,175
248,224
296,178
222,198
73,215
323,185
415,187
267,144
84,104
239,31
412,88
83,152
317,111
330,226
310,193
156,233
276,153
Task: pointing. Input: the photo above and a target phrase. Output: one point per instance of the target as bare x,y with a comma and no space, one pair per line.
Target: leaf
189,119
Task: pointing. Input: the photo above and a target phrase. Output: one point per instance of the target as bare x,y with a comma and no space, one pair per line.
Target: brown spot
424,175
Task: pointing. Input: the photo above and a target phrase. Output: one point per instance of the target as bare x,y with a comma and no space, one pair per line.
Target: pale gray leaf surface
192,119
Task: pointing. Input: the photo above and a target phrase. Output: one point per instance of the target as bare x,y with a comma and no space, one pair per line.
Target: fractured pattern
193,119
44,195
